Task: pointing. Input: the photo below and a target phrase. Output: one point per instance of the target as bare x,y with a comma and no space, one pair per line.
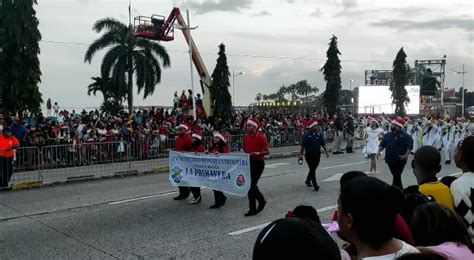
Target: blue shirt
312,142
396,144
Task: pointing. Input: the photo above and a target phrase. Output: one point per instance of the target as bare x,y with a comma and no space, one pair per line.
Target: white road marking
275,165
343,165
261,226
335,177
142,198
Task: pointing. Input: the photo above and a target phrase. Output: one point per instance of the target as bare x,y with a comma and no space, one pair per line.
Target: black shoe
261,206
180,197
251,212
316,187
447,162
196,200
308,184
216,206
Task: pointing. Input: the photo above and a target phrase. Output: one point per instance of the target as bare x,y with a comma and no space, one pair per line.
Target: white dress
373,140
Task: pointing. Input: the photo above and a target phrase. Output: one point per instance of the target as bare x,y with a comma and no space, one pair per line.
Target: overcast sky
259,36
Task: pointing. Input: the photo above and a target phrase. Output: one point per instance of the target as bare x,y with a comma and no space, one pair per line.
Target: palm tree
107,88
127,55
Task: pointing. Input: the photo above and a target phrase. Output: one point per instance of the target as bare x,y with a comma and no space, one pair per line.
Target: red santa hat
197,135
222,136
254,122
398,121
183,125
312,123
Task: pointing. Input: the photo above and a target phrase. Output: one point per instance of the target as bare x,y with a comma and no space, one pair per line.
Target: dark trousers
312,159
256,170
396,168
219,197
6,166
184,191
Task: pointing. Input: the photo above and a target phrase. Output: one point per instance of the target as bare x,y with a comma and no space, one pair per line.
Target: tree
400,80
332,76
19,64
220,88
258,97
113,95
303,88
128,55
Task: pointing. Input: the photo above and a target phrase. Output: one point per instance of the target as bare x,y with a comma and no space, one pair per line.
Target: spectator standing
339,127
350,129
56,109
48,107
8,144
463,188
398,145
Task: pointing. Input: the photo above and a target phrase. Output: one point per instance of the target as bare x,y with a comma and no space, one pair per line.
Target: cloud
206,6
448,23
290,1
317,13
348,4
262,13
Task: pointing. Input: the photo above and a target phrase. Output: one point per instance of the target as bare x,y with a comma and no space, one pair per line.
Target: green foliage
113,94
19,64
400,80
220,88
127,56
332,75
258,97
297,91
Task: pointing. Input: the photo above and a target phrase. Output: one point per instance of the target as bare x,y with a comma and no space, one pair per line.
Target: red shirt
199,149
6,143
215,149
184,143
256,143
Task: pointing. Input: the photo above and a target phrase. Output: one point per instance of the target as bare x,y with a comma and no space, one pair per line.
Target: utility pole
462,87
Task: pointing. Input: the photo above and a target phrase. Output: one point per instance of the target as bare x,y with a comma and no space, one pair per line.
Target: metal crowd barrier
67,162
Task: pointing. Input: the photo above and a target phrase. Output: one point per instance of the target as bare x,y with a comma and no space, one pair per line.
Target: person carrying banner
255,144
219,145
197,147
184,143
8,144
311,144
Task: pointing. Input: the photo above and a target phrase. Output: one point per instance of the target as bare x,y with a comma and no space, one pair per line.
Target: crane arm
206,80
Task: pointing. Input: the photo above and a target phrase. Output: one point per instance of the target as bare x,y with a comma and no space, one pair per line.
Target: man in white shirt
463,188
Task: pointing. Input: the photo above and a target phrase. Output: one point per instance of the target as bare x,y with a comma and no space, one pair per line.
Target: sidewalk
39,178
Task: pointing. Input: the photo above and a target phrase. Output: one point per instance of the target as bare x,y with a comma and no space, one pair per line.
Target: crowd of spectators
377,221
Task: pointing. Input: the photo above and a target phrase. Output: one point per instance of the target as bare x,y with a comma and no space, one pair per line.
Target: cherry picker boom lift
158,28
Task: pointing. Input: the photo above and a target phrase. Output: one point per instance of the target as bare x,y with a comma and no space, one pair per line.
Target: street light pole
462,87
188,27
233,84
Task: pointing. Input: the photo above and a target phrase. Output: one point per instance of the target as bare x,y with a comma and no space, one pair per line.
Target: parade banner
229,173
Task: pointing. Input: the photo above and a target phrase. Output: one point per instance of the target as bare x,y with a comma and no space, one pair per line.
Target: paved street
136,218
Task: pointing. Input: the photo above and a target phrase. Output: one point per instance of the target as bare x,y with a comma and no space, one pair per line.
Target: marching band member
447,138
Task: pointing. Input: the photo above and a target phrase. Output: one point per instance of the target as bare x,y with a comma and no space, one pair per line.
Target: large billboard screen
378,100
